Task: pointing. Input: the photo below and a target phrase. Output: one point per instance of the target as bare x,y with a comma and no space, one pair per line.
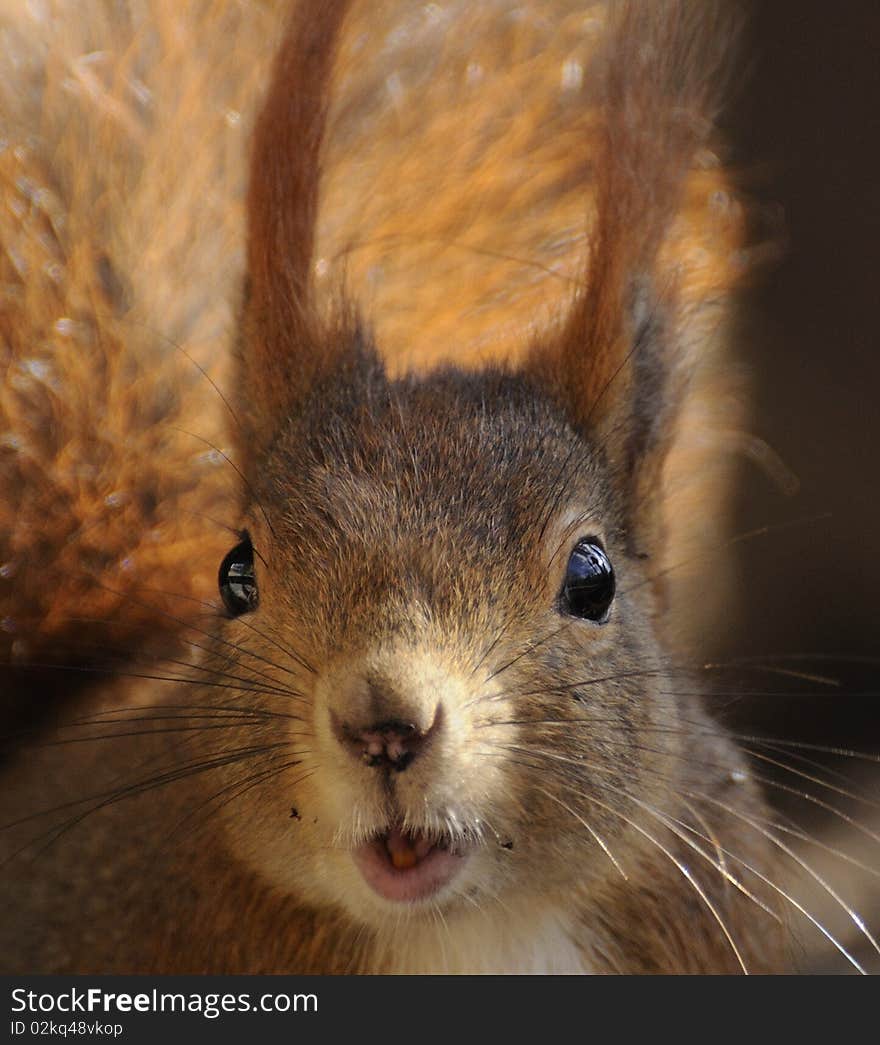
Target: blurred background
805,133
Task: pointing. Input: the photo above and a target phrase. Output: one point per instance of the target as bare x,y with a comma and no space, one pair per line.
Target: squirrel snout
389,744
387,731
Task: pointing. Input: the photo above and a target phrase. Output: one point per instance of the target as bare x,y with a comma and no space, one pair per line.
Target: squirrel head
448,584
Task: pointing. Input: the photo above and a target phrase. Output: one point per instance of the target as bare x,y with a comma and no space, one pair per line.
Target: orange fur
452,205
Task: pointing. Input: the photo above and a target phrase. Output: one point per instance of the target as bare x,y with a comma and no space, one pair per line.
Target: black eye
588,588
238,586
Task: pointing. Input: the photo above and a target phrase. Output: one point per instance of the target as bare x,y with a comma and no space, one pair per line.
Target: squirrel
390,592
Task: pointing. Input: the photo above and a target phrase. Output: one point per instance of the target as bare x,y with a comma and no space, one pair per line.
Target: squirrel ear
622,360
284,348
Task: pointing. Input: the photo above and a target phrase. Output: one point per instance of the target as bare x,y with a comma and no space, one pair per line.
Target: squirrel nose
390,744
393,744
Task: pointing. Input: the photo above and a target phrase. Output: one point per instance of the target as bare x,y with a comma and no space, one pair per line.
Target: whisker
755,660
817,765
686,873
824,749
296,657
223,672
98,718
146,733
741,538
843,792
170,776
531,648
197,645
237,471
596,838
693,728
489,649
771,837
814,800
689,759
719,865
802,836
115,673
662,817
112,798
251,781
190,627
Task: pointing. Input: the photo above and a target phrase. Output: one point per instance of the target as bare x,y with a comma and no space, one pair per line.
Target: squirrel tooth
404,859
401,850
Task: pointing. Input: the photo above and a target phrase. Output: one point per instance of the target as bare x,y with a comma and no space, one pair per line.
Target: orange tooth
403,859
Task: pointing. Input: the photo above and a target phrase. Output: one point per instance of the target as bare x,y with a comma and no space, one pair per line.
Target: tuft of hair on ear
285,347
622,359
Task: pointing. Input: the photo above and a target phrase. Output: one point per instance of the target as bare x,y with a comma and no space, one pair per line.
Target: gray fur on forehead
457,451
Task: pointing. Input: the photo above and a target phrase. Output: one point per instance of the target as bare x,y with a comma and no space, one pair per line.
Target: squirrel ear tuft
285,347
622,360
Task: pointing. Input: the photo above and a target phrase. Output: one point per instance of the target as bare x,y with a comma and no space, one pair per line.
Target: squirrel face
413,560
451,576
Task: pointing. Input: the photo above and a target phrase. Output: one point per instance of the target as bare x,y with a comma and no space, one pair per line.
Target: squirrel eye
238,585
588,588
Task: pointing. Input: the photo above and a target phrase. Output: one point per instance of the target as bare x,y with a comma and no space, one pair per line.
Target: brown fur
402,514
110,506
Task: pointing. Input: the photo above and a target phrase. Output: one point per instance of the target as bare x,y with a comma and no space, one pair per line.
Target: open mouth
405,866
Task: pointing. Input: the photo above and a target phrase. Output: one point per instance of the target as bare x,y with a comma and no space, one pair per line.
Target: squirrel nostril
391,743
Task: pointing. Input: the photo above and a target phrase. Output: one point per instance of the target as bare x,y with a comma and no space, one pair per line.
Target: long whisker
294,656
718,864
781,892
201,631
771,837
815,764
529,649
111,798
254,673
685,872
689,759
802,836
237,787
490,648
591,831
857,920
115,673
663,817
741,538
694,728
235,468
206,649
147,733
170,776
130,712
812,778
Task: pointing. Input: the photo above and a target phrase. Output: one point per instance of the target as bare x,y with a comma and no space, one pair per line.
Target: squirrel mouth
407,866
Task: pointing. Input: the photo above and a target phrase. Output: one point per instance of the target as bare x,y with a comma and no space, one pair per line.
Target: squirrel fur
407,300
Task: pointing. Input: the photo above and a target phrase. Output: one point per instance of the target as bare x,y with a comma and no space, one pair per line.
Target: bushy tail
121,230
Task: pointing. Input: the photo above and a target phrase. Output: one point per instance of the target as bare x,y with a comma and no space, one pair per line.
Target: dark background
804,127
